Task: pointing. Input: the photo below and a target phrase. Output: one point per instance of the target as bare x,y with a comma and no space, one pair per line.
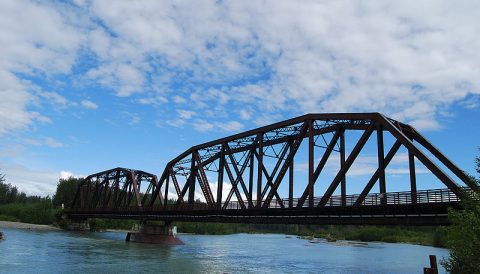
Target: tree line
17,206
64,194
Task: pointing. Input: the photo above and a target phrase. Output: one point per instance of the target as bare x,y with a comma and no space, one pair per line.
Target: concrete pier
75,224
154,234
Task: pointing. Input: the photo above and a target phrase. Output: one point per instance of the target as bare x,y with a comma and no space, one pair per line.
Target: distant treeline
9,194
20,207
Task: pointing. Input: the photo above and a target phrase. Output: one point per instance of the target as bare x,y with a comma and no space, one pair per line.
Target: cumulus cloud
89,104
34,181
46,141
65,174
36,42
279,56
271,59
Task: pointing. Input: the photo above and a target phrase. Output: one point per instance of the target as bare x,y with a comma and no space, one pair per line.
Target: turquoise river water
31,251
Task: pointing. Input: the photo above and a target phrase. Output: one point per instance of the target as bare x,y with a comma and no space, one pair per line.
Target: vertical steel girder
230,158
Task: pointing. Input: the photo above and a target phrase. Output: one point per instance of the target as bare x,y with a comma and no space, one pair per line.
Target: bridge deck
428,207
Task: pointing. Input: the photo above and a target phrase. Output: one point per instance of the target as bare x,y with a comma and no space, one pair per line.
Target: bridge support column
154,234
75,224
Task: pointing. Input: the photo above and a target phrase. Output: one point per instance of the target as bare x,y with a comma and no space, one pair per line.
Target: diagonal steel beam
203,181
240,173
234,188
160,182
447,180
444,160
286,164
274,171
320,166
135,189
391,153
269,177
348,163
176,186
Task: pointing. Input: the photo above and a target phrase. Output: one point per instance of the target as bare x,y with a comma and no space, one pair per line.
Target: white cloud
245,114
231,126
89,104
132,118
64,174
202,125
179,100
55,99
36,41
266,59
33,181
185,114
317,56
46,141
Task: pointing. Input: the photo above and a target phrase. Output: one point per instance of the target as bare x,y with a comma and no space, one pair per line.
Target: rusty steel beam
320,166
343,182
290,156
413,178
447,180
376,175
381,163
348,163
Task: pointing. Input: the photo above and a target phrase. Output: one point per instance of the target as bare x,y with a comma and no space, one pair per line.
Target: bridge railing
375,199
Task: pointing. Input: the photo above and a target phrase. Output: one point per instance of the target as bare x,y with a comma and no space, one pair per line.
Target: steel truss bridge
253,165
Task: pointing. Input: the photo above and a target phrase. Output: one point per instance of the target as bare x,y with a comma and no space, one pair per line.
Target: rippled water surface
60,252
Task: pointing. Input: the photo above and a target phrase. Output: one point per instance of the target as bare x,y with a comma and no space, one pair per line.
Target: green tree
66,189
4,188
464,234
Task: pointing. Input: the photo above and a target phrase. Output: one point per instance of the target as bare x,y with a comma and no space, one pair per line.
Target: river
33,251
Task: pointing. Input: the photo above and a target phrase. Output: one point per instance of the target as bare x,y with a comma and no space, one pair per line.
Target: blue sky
90,85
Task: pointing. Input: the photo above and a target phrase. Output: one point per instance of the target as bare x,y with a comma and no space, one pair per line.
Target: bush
464,238
8,218
36,213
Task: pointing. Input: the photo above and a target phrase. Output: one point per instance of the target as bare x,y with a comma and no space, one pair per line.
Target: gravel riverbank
5,224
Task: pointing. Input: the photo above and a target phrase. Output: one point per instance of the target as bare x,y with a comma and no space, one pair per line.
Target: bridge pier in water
154,234
76,224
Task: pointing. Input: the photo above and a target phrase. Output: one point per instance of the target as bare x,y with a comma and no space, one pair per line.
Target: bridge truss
237,178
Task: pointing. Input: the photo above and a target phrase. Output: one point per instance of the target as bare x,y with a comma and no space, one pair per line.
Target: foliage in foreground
464,238
464,234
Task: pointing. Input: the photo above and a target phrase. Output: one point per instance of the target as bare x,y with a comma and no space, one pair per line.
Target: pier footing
75,224
154,234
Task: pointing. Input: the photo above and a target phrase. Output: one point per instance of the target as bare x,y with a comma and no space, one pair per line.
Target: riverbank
429,236
6,224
